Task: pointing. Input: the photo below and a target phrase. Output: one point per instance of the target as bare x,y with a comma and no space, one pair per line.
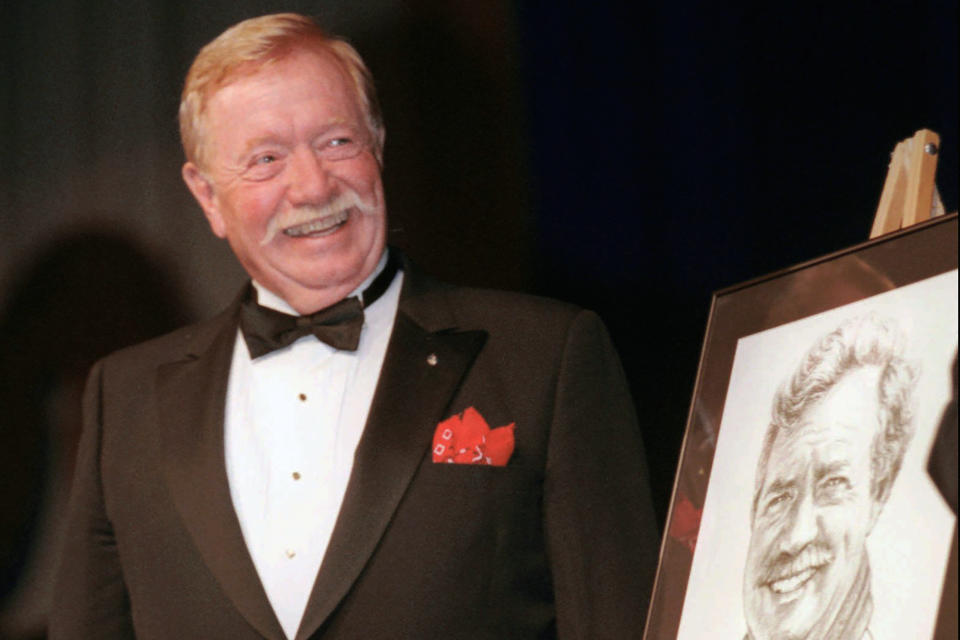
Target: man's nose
310,182
802,527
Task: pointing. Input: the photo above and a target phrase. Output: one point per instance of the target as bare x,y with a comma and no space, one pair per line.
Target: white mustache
813,556
293,217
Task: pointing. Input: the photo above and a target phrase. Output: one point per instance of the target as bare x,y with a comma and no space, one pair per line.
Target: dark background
629,157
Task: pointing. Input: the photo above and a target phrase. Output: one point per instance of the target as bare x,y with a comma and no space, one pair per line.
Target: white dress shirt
292,423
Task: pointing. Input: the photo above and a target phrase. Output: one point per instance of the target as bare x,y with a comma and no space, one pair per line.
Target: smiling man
840,427
351,449
288,172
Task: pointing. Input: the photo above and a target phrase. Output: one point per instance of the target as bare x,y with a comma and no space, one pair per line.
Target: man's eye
340,148
834,485
776,501
263,166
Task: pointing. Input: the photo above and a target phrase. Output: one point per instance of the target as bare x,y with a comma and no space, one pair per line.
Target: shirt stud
302,396
290,553
296,475
432,359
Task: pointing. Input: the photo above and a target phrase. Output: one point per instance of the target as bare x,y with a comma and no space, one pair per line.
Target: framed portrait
802,505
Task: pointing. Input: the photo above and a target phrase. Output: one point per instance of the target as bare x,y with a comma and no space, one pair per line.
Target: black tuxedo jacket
561,542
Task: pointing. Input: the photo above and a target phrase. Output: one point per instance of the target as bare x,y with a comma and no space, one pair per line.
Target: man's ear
202,189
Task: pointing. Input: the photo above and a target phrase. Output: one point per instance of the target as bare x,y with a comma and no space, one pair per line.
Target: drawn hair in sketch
859,342
836,440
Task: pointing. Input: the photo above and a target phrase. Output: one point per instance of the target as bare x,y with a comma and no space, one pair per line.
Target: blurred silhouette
943,455
942,466
88,294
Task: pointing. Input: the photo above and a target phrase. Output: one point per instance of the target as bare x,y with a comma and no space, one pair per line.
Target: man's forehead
263,100
321,67
814,443
840,423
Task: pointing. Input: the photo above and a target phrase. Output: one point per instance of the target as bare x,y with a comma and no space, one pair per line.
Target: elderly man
832,451
350,450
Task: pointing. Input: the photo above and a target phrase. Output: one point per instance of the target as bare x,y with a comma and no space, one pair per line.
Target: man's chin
787,615
332,270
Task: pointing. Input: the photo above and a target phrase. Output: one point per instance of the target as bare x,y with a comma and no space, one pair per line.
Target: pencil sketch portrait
820,520
835,443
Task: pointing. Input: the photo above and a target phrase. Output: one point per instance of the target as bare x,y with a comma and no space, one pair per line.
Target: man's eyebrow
361,127
275,139
831,467
341,125
260,141
334,122
778,485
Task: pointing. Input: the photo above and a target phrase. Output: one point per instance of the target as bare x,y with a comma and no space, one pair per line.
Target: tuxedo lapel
422,370
191,396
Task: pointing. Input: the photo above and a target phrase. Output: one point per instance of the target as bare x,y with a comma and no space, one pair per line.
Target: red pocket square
466,438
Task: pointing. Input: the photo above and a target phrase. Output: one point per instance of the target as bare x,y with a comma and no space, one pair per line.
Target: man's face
292,182
813,514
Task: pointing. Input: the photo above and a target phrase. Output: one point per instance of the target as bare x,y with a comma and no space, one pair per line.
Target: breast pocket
477,477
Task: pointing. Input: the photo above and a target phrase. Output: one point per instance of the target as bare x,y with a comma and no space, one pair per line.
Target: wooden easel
909,194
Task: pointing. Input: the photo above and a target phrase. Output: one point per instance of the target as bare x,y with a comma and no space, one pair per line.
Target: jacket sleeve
601,530
90,598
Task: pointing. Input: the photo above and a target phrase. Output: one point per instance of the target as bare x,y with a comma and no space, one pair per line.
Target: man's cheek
836,530
769,548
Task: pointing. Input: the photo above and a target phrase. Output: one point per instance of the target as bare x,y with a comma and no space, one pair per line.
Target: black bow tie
339,325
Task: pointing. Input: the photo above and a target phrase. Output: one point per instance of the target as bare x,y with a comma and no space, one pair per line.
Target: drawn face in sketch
813,514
